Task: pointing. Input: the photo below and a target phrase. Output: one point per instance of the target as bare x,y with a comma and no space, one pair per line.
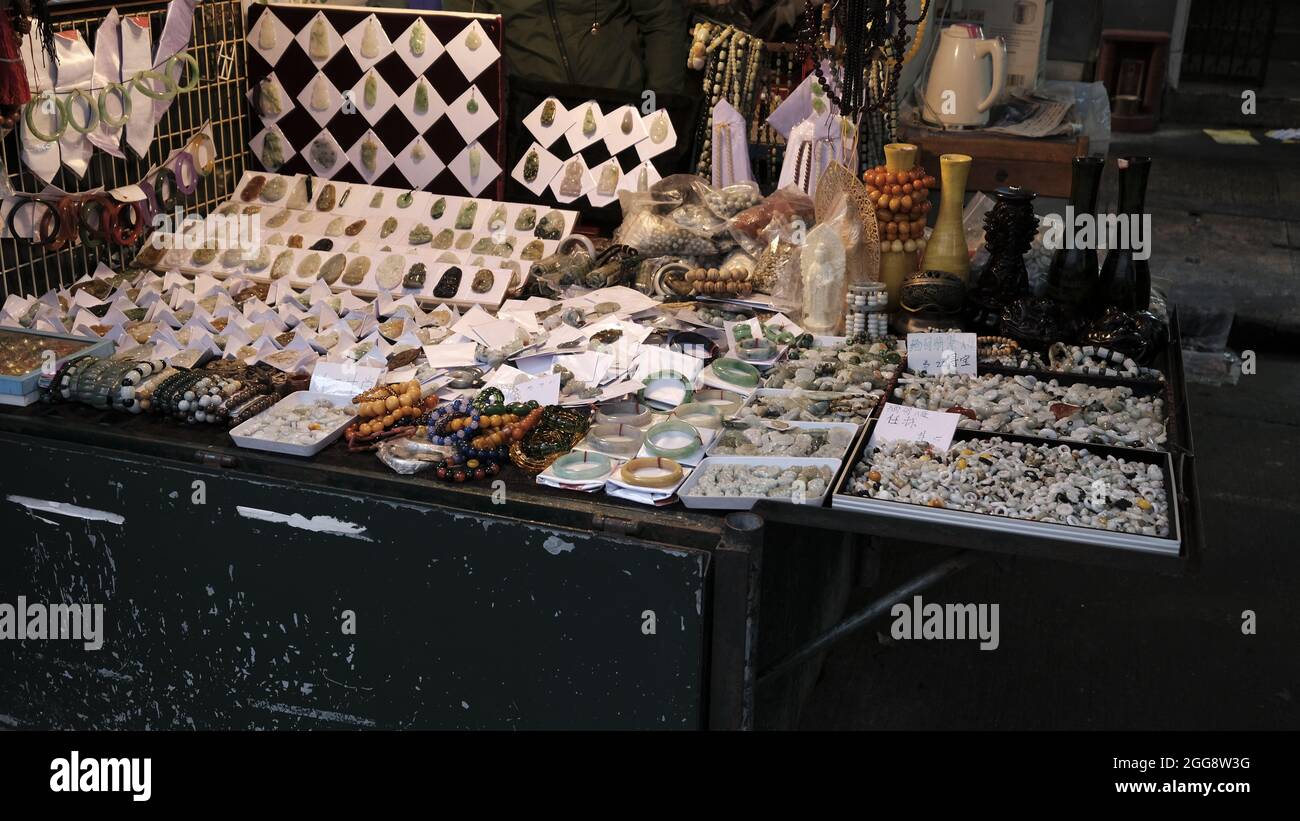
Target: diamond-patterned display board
393,122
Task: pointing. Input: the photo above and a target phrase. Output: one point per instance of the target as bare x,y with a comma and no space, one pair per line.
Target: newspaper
1025,113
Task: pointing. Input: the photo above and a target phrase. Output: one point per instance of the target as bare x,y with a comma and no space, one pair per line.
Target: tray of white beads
740,482
301,424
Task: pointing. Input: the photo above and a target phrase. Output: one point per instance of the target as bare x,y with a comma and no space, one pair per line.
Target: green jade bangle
672,428
147,88
727,402
60,111
582,466
124,95
735,372
92,118
699,415
189,60
755,350
665,376
616,440
623,413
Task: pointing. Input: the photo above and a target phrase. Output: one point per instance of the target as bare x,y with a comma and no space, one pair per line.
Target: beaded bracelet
670,472
582,465
616,439
735,372
668,429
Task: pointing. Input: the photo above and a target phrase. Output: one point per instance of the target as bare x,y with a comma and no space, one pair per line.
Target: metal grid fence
218,43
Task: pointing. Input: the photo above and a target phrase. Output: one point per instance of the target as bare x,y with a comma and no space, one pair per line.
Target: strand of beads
867,314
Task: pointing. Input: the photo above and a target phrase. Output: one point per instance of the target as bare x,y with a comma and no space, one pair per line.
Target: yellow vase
896,265
946,249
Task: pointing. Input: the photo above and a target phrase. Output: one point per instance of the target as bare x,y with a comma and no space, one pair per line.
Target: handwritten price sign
914,424
941,354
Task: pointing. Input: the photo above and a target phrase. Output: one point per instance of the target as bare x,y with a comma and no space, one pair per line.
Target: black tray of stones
1111,500
1174,422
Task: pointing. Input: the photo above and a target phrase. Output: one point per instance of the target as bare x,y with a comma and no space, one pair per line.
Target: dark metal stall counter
246,589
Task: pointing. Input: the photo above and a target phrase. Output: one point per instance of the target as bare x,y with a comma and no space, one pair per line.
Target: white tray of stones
740,482
1096,495
777,437
301,424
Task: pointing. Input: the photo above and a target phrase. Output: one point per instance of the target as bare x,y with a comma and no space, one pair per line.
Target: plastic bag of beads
729,200
776,273
655,235
784,212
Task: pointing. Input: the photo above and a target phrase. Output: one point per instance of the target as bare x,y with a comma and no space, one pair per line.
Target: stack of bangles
657,438
97,108
735,372
756,350
651,471
727,402
623,413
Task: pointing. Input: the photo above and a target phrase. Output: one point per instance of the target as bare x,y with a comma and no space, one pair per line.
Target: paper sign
942,354
544,389
914,424
344,378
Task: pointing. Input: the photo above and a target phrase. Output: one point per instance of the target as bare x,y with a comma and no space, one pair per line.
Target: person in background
628,45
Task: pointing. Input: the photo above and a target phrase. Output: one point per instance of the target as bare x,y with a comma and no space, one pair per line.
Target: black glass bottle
1072,276
1125,282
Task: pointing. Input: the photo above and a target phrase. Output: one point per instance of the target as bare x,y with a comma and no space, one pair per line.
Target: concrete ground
1092,648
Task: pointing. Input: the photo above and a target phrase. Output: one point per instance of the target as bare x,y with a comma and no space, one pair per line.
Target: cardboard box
1023,24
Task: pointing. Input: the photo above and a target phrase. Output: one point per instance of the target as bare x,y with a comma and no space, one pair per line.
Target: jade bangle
617,440
623,413
124,95
666,376
147,89
736,372
755,350
670,427
727,402
699,414
205,141
189,60
631,472
60,112
92,118
582,465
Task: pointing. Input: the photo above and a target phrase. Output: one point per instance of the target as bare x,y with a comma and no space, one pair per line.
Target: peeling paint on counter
555,545
64,509
316,524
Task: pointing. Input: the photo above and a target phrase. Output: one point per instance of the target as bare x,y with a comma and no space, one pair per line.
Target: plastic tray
851,427
747,502
24,389
291,401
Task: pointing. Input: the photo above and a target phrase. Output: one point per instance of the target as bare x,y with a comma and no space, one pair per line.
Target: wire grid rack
218,43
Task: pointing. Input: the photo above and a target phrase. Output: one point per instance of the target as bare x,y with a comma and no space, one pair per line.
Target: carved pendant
472,104
266,34
589,123
370,39
422,97
370,93
531,165
548,114
659,129
475,161
626,125
473,40
417,38
369,153
318,46
608,180
571,185
320,94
